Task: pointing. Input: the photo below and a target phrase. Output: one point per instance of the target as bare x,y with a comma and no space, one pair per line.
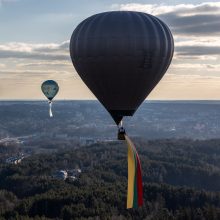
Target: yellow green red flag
135,185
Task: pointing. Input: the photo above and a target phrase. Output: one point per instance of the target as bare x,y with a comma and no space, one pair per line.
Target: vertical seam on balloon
167,35
162,64
78,32
151,19
140,17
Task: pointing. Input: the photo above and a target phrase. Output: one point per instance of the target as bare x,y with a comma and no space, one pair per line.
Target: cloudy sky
34,40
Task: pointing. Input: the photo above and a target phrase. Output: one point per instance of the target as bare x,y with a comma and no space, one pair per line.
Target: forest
181,181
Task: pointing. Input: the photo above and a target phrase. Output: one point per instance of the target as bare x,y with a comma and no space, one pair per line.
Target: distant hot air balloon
50,88
121,56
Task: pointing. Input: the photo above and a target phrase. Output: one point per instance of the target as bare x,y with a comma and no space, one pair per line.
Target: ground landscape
72,167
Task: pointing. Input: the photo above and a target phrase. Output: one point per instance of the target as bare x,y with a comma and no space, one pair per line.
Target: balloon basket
121,134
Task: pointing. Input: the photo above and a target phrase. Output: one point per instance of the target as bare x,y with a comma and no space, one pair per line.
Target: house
14,160
60,174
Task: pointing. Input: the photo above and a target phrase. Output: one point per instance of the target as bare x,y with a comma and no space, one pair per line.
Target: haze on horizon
34,46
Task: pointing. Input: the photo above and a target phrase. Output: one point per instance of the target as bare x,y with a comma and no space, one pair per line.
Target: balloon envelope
50,88
121,56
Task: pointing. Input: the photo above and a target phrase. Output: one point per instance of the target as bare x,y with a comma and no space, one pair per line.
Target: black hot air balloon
121,56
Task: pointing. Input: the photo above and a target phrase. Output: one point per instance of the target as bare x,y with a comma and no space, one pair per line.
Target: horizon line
146,100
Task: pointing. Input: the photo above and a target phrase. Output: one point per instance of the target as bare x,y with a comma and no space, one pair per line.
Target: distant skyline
34,46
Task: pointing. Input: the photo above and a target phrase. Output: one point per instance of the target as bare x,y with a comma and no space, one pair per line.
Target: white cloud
198,66
198,41
27,47
50,51
45,64
182,9
183,19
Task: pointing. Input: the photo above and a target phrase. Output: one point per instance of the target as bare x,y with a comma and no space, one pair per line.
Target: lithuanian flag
135,186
